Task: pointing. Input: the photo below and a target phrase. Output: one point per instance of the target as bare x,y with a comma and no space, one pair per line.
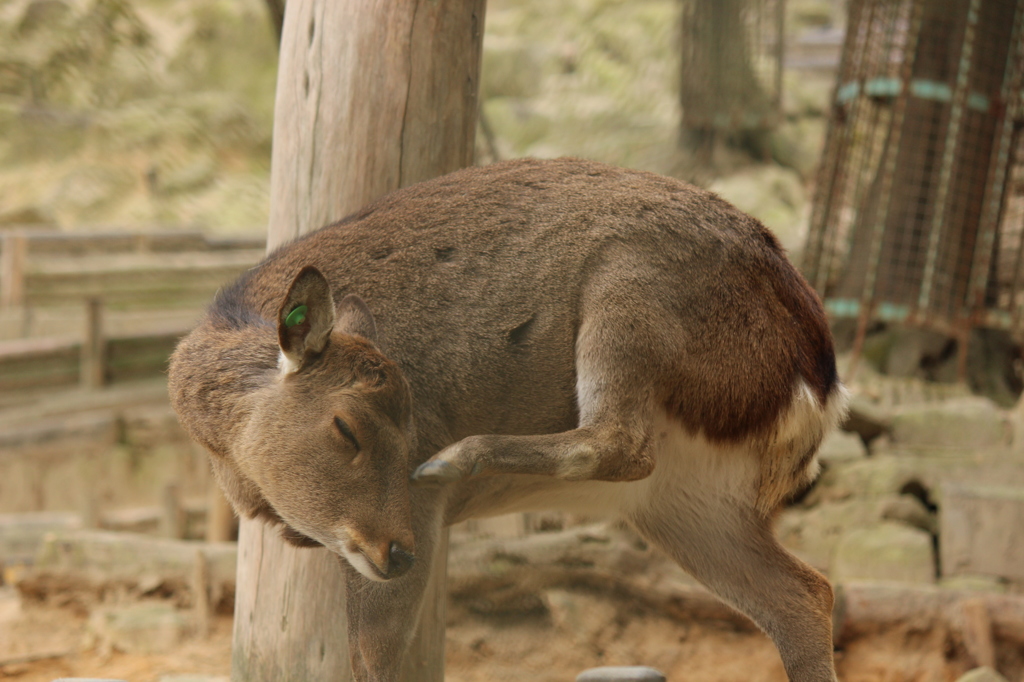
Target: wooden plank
99,426
39,363
352,123
157,280
72,244
49,362
140,356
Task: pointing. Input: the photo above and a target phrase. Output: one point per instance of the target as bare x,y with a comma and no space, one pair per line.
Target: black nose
399,561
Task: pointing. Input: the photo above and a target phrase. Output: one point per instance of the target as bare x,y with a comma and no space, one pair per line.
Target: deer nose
399,561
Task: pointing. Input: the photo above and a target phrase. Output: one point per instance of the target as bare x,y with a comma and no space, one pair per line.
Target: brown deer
528,335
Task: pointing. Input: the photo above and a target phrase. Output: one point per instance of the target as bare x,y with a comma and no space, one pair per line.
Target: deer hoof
436,472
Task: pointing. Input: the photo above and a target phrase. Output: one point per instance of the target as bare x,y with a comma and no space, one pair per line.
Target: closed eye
345,430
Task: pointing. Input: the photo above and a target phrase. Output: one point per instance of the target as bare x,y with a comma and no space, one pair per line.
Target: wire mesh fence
919,212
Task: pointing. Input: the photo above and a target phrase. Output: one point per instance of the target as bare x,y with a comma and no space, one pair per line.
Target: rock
910,511
814,533
807,95
581,615
910,348
621,674
798,144
95,560
983,530
888,552
970,423
866,419
22,534
842,446
981,675
148,628
874,477
973,583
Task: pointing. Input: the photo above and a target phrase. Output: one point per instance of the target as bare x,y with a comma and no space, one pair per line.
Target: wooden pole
12,270
172,516
372,95
93,365
220,518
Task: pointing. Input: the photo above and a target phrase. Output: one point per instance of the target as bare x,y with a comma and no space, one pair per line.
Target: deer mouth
394,562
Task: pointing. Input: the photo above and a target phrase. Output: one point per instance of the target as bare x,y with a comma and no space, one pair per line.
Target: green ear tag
296,316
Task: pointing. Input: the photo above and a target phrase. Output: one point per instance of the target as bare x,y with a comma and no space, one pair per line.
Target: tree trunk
372,95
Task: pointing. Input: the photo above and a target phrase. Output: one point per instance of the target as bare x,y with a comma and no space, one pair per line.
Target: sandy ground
486,649
478,651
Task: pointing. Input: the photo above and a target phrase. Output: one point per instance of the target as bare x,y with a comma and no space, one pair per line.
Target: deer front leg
611,452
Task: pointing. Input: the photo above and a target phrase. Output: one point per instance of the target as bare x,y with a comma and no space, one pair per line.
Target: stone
868,477
841,446
888,552
910,348
22,534
813,533
582,615
147,628
973,583
909,511
96,559
970,423
981,675
798,144
982,530
866,419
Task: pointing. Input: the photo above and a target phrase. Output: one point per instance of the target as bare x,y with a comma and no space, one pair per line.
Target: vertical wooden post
89,502
372,95
202,610
172,516
220,518
93,364
12,270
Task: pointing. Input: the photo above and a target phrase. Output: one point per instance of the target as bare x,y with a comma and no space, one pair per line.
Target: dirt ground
486,649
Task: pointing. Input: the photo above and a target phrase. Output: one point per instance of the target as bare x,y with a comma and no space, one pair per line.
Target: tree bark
372,95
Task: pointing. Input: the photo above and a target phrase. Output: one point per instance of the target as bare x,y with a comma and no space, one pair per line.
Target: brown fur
518,332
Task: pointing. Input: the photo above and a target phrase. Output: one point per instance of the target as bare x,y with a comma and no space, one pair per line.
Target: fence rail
110,306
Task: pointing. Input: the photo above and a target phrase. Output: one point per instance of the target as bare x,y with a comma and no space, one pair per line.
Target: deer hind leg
700,508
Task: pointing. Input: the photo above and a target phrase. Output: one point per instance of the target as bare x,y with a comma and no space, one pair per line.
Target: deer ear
305,320
355,318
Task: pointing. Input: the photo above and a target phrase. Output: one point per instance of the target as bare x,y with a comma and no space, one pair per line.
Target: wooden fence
92,309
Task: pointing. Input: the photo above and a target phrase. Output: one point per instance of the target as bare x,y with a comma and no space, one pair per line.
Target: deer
528,335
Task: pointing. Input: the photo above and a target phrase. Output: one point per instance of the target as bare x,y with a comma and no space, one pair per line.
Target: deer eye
346,431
